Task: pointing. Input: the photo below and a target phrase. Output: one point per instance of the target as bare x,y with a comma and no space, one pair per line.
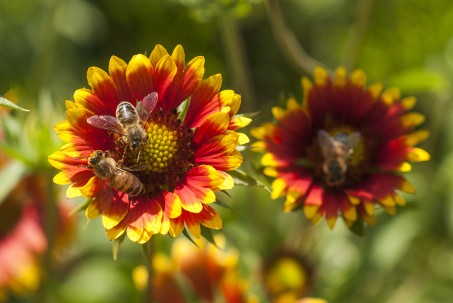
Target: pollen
161,147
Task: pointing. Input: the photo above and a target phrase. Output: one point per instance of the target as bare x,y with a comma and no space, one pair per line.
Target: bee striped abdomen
126,113
105,168
127,183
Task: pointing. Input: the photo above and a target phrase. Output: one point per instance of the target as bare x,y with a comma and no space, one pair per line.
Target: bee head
95,158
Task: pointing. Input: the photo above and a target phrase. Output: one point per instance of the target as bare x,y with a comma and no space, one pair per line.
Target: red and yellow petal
184,82
103,87
212,126
140,76
204,101
165,71
112,205
197,188
207,217
117,71
220,152
141,222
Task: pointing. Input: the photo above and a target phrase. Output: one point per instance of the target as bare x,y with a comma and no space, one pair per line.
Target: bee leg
138,156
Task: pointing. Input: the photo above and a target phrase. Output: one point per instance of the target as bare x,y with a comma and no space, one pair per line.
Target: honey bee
336,152
105,168
129,121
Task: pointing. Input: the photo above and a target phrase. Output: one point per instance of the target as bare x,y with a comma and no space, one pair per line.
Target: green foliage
242,178
6,103
10,175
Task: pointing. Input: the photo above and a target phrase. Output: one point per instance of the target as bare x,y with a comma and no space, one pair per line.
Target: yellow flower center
286,276
161,148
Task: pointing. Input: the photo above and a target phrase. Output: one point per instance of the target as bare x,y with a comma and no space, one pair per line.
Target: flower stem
50,222
44,50
288,41
235,53
358,33
148,250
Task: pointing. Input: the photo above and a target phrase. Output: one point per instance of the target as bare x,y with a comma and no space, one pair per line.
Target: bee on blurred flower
129,122
336,151
105,168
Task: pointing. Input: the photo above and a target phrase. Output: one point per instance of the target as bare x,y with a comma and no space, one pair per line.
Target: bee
105,168
129,121
336,152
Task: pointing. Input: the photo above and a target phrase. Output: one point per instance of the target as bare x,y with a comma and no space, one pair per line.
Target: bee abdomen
127,183
126,113
136,189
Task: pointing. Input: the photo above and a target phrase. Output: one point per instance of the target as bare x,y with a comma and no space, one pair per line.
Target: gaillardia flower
195,273
23,241
287,276
150,143
343,149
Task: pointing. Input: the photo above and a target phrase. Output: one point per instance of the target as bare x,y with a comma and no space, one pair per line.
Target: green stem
288,41
235,53
50,222
41,64
358,33
148,250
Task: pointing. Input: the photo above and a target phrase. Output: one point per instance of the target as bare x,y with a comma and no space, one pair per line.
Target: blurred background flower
287,276
22,242
49,45
34,234
342,150
195,272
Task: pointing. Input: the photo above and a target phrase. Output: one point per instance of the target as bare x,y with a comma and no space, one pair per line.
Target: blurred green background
46,47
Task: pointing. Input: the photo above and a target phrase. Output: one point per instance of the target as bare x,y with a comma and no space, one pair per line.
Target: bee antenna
89,145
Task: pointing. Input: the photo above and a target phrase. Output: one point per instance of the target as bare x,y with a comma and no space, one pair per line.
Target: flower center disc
161,147
166,155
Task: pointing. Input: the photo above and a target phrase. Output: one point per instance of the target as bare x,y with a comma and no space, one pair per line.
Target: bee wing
106,122
147,105
326,142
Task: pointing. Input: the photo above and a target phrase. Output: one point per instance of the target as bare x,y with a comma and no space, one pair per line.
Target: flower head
343,149
208,273
150,143
23,241
287,276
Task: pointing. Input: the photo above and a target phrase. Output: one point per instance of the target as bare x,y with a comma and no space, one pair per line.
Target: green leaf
358,227
116,246
242,178
418,80
148,251
182,109
225,205
186,234
6,103
207,233
10,176
81,207
248,115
